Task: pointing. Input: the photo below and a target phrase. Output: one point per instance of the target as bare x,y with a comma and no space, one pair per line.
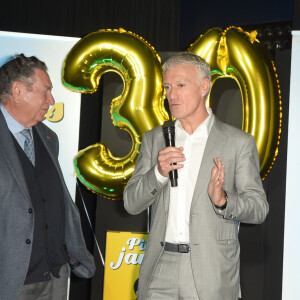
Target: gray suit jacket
16,223
215,250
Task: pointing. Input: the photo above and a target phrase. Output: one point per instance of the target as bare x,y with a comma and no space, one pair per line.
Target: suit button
46,226
154,192
162,244
232,216
28,241
30,210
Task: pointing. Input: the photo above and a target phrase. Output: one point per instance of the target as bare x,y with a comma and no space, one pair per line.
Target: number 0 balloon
138,109
236,54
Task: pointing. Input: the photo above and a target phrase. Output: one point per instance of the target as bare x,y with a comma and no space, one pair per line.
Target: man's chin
175,116
40,119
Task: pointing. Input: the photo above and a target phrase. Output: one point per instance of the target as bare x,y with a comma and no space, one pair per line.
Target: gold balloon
138,109
234,53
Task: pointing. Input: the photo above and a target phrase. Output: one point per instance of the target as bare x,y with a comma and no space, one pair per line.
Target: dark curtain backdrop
198,16
296,15
156,21
169,25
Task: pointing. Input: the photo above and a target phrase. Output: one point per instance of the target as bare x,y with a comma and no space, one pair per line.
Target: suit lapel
10,155
215,146
48,141
166,197
159,145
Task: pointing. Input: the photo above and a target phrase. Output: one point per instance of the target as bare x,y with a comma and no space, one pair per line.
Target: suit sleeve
143,187
80,259
247,202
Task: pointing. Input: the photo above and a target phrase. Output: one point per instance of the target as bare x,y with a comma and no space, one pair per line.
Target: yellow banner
124,255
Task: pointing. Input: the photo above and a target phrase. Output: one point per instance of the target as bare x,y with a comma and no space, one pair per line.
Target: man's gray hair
185,58
18,69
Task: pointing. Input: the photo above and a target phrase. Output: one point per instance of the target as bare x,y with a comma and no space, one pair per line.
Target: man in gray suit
40,227
193,249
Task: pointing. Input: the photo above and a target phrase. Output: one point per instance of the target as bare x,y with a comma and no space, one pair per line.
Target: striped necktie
28,145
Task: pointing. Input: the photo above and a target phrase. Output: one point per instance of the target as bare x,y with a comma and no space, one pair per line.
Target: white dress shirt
181,196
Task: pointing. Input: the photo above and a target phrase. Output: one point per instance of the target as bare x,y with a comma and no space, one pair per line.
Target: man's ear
16,90
205,86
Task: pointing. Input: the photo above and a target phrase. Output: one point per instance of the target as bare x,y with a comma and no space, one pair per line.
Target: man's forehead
42,77
40,72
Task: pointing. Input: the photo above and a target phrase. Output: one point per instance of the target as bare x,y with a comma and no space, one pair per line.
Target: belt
182,248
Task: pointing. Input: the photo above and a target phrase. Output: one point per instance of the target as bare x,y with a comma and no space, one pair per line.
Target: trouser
173,278
53,289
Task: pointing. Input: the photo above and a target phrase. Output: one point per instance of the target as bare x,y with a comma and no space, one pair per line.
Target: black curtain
156,21
296,15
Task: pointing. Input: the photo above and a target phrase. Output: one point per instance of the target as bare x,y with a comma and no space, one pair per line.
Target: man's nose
51,99
170,94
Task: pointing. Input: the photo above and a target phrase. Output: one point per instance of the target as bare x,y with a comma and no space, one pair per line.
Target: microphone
169,134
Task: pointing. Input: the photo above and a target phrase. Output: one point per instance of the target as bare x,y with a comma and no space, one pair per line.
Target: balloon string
88,217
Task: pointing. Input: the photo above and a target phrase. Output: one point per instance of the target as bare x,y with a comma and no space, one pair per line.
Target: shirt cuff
159,177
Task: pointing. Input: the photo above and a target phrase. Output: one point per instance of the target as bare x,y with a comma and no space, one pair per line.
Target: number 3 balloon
138,109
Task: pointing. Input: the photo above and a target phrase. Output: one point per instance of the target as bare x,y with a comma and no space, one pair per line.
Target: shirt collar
203,129
13,125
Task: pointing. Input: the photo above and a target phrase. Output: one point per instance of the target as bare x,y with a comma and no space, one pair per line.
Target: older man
40,226
193,249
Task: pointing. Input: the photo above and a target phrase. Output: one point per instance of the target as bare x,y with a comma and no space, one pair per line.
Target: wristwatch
225,204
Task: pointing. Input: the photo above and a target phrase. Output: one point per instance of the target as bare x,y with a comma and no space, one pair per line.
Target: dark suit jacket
16,223
213,235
